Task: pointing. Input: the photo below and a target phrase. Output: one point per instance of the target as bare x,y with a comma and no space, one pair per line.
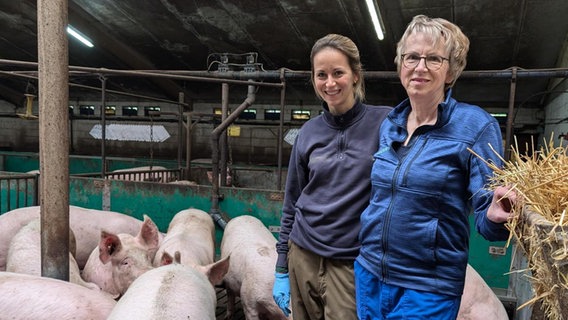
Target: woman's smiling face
334,79
422,81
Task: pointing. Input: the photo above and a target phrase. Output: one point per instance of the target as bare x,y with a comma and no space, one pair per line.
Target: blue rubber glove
281,291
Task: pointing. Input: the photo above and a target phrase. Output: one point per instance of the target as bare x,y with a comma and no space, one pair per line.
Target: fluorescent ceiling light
75,33
376,18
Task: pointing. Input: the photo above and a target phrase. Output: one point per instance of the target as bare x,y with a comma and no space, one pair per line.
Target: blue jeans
377,300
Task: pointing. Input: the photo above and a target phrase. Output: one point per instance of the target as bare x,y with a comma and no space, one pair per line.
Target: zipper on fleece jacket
388,218
341,144
396,178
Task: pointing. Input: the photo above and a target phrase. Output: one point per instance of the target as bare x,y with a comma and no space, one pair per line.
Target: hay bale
539,223
546,245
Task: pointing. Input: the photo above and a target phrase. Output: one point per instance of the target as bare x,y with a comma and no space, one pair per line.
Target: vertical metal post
281,130
510,114
181,99
188,135
53,100
104,168
223,139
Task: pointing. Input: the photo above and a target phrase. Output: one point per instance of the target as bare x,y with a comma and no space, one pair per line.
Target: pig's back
10,223
31,297
168,292
85,223
192,233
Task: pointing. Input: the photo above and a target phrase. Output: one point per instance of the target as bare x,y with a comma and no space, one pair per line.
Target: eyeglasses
433,62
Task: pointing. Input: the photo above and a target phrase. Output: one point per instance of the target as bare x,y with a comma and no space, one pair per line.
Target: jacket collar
399,115
345,119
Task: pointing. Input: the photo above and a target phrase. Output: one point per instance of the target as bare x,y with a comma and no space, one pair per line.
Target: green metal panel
493,268
162,201
24,162
19,162
86,193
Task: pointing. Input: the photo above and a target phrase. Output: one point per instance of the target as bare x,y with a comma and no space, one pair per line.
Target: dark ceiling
189,36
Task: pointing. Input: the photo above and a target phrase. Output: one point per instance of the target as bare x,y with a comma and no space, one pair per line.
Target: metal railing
18,190
155,175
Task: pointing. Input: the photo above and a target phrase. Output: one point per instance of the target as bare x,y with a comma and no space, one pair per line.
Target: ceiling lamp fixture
79,36
376,18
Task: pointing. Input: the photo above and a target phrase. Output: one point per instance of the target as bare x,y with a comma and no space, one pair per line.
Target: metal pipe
153,74
281,131
54,138
181,98
214,76
510,115
188,135
104,168
215,196
223,138
98,89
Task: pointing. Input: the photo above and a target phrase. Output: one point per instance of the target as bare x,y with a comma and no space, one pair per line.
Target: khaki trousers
320,288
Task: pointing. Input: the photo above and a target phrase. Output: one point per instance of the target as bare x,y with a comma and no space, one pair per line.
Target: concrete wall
250,141
556,127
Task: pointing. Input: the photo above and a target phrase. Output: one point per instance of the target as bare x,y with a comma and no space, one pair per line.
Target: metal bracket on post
216,215
250,66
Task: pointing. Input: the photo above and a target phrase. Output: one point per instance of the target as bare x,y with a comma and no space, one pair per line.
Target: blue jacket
415,230
328,183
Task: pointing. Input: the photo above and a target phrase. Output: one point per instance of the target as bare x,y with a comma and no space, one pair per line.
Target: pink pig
85,223
252,249
24,254
121,258
25,297
192,233
172,291
479,302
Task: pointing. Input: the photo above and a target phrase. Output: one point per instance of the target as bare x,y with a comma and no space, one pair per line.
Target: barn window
153,111
300,114
271,114
86,110
110,110
130,111
248,114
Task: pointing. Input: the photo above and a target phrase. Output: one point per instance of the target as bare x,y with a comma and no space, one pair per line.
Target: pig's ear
166,259
215,272
109,245
149,234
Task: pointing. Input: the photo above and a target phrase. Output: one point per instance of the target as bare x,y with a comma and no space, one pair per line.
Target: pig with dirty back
191,233
85,223
479,302
252,248
173,291
121,258
25,297
24,254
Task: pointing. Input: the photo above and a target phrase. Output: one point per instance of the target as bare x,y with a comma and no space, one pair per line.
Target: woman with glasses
425,183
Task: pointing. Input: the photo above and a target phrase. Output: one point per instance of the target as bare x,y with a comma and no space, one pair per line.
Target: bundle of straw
539,221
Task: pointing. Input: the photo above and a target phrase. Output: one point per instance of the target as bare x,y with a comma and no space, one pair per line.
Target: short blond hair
455,42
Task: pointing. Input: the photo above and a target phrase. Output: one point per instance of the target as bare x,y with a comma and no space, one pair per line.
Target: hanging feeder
29,104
